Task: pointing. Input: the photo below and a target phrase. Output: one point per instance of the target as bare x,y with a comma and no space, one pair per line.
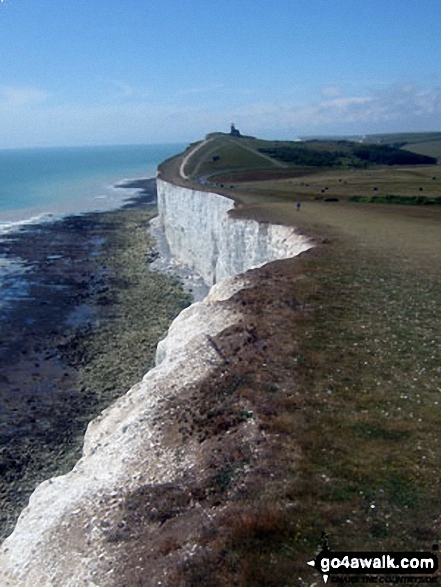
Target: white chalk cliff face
61,538
201,234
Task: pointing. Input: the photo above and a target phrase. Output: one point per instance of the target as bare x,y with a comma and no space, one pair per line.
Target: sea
44,184
50,300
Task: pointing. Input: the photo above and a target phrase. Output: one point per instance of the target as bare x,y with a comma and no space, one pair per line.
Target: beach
81,330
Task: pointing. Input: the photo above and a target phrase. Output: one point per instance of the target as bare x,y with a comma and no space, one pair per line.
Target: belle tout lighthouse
234,132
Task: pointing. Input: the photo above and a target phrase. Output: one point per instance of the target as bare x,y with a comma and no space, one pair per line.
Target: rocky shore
83,333
186,449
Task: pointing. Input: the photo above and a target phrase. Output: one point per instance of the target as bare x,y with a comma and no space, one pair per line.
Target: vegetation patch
391,199
316,154
342,379
387,155
304,156
345,392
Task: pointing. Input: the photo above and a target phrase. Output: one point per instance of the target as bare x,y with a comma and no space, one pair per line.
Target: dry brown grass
343,382
347,396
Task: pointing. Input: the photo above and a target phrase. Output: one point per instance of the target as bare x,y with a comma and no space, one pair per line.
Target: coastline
54,182
80,336
118,195
204,472
171,449
15,221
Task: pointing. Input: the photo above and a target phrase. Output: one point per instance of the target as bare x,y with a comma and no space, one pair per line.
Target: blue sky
77,72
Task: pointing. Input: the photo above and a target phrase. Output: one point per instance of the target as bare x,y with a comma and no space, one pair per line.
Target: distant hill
244,158
427,143
389,169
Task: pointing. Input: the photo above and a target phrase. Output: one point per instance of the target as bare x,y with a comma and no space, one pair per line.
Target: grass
405,200
431,148
350,397
372,439
245,166
347,394
428,143
225,153
412,138
383,182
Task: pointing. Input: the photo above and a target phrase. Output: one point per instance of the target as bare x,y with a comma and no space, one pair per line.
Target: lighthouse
234,132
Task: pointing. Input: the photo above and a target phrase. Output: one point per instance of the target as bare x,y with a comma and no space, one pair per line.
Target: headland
297,398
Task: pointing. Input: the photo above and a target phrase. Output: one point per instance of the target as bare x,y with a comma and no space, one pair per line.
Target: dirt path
190,154
187,157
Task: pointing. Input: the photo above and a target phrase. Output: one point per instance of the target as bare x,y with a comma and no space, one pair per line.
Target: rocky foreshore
65,340
169,465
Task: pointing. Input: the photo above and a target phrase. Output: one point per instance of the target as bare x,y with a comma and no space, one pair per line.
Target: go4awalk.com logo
380,564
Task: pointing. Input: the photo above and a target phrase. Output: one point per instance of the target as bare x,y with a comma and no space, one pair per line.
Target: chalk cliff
72,531
202,235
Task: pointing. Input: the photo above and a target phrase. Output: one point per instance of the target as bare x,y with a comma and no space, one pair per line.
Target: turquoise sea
41,183
56,293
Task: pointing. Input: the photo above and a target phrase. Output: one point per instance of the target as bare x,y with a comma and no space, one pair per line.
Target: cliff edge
157,465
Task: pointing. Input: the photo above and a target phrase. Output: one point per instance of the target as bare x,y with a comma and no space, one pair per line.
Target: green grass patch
369,431
396,170
432,148
223,153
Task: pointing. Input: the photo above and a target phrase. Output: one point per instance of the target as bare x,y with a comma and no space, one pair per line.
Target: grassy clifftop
401,171
347,388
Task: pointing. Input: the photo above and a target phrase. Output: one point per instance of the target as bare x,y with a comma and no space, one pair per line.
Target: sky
92,72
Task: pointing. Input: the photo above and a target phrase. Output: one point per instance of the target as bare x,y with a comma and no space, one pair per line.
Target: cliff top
345,392
373,170
321,414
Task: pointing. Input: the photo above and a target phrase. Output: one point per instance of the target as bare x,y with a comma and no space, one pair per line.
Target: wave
13,225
